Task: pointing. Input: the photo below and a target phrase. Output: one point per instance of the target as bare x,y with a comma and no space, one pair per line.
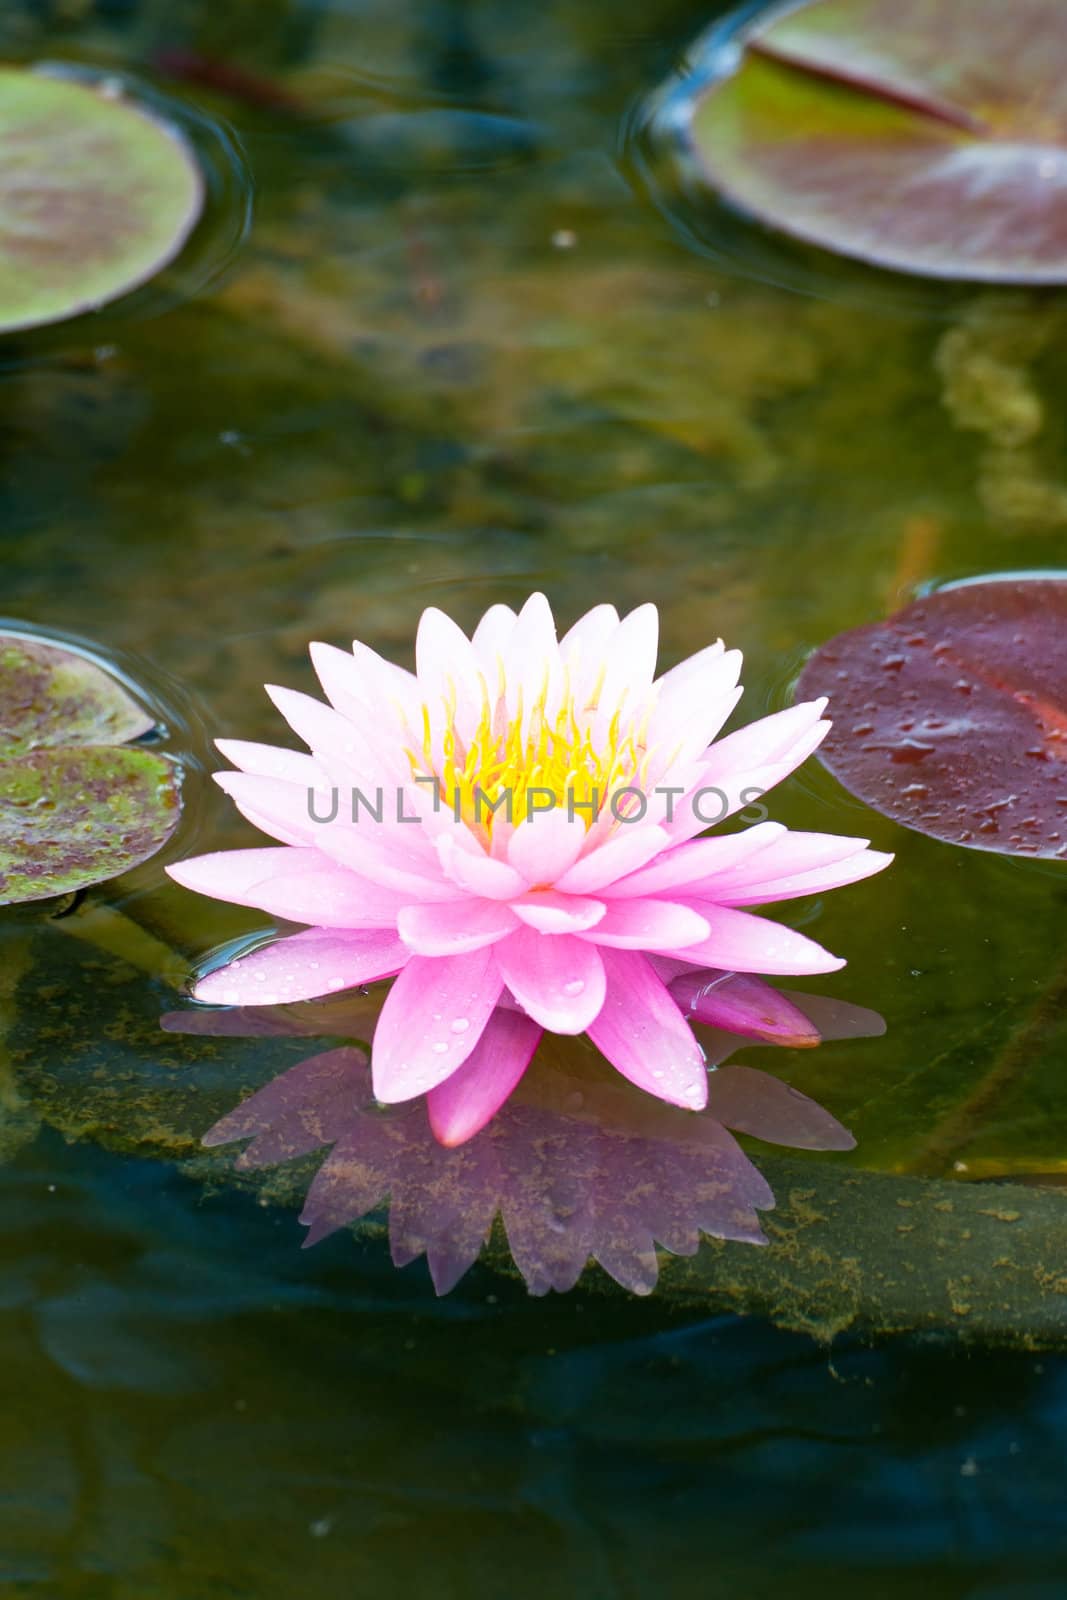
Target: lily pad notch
925,136
97,195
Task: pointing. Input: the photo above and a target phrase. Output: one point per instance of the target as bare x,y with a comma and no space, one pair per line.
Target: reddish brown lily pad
951,717
77,804
929,136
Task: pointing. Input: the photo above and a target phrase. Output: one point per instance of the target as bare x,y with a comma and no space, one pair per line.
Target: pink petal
325,731
680,738
279,808
630,659
558,979
762,753
452,927
757,1103
553,913
464,1103
397,856
781,854
644,1035
704,676
768,739
533,666
648,925
491,639
382,682
583,651
699,861
431,1021
741,942
334,897
751,762
695,698
449,672
272,761
303,966
336,671
627,850
389,853
230,874
363,680
851,868
543,847
744,1005
276,807
477,873
297,884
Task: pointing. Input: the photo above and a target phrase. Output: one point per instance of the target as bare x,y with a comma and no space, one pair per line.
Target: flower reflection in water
577,1164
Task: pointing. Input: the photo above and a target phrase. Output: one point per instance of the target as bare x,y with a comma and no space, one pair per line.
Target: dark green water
464,353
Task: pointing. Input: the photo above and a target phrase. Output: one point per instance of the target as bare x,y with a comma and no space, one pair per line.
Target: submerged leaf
96,196
77,805
951,717
929,136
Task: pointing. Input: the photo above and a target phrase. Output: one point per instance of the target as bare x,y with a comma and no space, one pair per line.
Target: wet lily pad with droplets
951,717
78,804
928,136
96,196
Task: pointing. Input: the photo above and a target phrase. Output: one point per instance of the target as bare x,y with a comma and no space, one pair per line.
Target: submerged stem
111,930
956,1130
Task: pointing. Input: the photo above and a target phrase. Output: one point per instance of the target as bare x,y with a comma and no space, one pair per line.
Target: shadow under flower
577,1163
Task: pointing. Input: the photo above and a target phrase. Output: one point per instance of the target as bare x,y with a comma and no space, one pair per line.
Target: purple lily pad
928,136
77,805
951,717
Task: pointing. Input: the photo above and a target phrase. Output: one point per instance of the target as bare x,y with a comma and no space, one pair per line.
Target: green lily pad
51,696
928,136
77,804
96,196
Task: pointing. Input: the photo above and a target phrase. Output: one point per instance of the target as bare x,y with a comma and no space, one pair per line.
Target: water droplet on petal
460,1024
573,987
335,983
440,1047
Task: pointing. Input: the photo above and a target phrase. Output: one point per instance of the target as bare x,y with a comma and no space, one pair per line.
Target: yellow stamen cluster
510,766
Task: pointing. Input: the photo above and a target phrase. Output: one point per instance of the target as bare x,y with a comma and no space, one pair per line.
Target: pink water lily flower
511,831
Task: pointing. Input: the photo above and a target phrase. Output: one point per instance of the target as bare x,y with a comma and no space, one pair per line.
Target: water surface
474,346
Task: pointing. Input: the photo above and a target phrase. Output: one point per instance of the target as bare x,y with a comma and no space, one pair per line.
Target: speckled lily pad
929,136
78,805
96,196
951,717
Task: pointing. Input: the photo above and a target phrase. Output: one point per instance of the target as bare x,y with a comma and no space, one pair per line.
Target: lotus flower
516,843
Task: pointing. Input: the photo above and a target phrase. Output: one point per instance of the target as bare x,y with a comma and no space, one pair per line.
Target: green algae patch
78,804
96,196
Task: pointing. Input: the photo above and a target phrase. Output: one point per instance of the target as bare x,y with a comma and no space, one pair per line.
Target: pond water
477,343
